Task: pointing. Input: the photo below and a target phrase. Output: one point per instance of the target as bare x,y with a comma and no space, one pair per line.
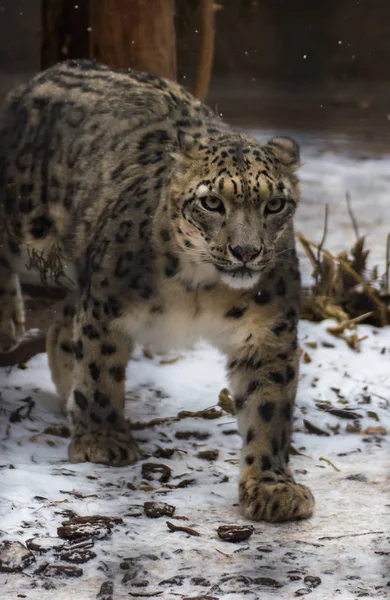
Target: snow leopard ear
286,151
187,143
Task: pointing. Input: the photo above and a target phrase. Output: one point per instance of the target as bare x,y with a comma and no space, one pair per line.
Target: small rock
130,575
312,581
158,509
236,580
41,568
302,592
77,556
197,435
267,582
106,591
177,580
208,455
235,533
164,452
139,583
62,571
76,531
49,585
45,544
200,581
135,510
264,549
182,484
92,527
133,573
14,557
357,477
150,470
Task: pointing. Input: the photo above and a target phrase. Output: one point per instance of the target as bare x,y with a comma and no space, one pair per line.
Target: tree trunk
206,48
64,31
135,33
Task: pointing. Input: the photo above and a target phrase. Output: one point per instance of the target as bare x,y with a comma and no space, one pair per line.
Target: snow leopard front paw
275,501
108,447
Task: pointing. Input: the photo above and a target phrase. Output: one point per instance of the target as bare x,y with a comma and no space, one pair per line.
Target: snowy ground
344,549
342,552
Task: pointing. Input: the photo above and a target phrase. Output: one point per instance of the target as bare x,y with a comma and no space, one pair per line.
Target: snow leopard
176,228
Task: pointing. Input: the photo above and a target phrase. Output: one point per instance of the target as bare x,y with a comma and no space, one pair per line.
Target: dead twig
352,216
49,264
308,250
223,553
341,327
207,413
320,245
189,530
338,537
329,463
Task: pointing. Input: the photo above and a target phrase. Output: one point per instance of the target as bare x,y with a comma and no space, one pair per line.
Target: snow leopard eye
212,203
275,205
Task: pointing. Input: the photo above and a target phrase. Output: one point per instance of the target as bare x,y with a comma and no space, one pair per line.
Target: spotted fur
177,228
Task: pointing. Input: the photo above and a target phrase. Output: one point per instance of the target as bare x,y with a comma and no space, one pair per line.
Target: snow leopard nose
244,253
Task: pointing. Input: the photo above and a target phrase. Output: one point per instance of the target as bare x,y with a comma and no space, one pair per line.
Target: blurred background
278,64
319,71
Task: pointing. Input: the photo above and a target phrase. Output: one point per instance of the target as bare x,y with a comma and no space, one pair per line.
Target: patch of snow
345,544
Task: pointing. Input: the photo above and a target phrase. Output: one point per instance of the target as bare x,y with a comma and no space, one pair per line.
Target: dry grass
50,265
343,286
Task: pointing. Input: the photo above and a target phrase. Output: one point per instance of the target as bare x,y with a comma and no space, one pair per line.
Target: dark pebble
158,509
153,471
312,581
235,533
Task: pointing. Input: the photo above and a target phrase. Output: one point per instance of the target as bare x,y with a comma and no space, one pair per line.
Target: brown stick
206,413
206,48
338,537
325,231
309,252
173,527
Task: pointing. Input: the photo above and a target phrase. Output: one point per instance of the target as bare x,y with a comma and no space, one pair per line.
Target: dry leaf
374,430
